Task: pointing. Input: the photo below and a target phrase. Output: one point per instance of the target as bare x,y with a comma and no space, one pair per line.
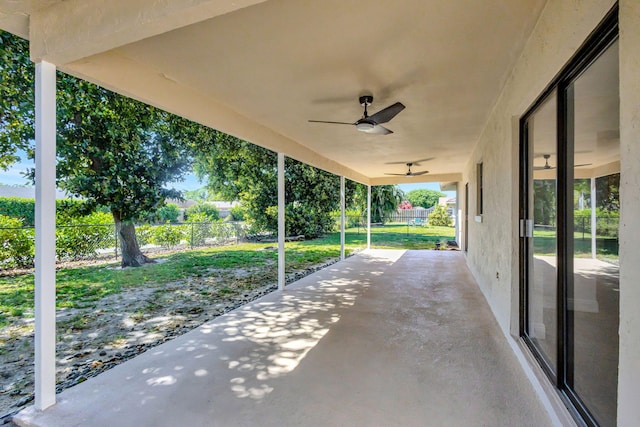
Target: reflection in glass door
592,289
542,247
569,207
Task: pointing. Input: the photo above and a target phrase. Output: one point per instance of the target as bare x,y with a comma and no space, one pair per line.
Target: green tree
209,211
424,198
544,209
239,170
169,212
16,95
113,151
384,201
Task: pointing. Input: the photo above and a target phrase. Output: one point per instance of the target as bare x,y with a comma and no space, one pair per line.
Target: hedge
24,209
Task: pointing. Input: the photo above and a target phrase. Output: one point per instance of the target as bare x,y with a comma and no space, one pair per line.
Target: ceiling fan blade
334,123
419,173
396,174
383,116
413,162
543,168
379,130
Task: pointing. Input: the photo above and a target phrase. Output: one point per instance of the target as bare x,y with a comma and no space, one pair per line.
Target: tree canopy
239,170
16,97
384,201
424,198
113,151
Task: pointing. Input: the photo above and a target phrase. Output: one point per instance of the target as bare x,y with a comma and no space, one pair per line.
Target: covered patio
383,338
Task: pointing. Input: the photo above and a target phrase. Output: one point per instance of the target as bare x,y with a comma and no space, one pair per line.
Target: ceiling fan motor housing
366,100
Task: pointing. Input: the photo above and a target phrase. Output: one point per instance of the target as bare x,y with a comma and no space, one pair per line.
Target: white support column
342,217
368,217
593,218
45,226
281,228
456,213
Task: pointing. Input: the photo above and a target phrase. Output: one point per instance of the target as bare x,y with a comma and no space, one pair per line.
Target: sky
13,176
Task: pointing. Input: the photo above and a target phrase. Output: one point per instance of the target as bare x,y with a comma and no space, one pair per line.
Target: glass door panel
592,294
542,248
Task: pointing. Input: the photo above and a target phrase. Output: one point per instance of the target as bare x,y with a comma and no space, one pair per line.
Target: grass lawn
606,246
82,286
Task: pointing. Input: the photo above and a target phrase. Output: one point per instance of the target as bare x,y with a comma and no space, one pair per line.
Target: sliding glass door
570,174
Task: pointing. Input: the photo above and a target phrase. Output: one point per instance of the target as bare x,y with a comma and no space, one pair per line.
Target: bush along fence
100,241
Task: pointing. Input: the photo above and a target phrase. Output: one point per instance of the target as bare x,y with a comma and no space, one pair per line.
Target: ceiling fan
409,172
371,123
547,166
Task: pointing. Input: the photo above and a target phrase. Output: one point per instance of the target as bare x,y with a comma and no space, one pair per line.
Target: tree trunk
129,249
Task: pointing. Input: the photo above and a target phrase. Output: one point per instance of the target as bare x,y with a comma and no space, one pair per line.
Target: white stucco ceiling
260,72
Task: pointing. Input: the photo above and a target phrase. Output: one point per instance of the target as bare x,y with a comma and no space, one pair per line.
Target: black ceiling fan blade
383,116
413,162
419,173
379,130
396,174
543,168
334,123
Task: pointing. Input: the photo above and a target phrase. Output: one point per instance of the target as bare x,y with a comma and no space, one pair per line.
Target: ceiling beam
96,26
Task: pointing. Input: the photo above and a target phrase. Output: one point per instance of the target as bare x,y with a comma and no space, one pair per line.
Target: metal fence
100,241
606,225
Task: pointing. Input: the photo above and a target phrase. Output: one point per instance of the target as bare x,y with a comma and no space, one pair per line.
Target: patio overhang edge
443,177
101,25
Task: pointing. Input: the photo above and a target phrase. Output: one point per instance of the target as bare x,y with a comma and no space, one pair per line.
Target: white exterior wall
493,244
629,367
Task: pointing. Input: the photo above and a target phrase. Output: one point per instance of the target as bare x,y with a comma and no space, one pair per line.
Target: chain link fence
92,242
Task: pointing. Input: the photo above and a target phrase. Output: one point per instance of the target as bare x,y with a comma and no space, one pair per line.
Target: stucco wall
561,29
629,368
493,244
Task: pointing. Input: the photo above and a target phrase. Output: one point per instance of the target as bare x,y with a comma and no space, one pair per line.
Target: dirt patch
105,333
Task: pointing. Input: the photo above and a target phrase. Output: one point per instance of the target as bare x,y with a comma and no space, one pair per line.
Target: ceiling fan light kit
364,126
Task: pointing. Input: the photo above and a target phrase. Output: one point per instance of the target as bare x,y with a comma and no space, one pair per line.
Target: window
479,189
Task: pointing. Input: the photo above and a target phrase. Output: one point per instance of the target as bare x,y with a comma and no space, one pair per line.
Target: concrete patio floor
383,338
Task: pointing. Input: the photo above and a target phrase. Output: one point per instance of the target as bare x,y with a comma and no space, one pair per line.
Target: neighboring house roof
29,192
446,201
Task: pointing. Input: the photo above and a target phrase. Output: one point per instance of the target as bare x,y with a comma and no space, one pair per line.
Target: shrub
144,234
607,222
237,212
198,228
169,212
354,218
24,209
82,237
439,217
302,220
209,210
167,235
17,246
